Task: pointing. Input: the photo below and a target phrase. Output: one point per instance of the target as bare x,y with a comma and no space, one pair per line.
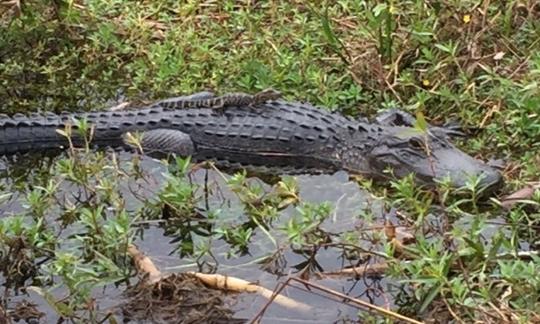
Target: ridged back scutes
277,127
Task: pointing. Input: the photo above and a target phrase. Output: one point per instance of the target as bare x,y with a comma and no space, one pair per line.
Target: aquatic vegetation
445,253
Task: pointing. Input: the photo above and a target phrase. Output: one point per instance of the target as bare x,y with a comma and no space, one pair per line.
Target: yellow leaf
498,56
62,132
389,230
287,201
466,18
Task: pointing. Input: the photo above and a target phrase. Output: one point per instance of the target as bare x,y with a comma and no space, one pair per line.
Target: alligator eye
416,143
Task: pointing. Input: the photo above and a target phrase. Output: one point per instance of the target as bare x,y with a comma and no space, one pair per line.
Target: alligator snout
461,168
431,159
491,179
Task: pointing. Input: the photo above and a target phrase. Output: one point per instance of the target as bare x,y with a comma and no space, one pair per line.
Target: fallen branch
360,271
238,285
145,265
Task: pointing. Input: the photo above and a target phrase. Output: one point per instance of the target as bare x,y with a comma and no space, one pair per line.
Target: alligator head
429,156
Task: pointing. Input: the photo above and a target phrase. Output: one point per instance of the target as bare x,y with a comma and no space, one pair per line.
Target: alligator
272,135
209,100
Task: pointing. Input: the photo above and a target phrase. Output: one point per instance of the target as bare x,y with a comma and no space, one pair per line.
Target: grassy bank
477,63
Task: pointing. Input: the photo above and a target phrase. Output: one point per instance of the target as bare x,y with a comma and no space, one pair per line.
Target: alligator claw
497,163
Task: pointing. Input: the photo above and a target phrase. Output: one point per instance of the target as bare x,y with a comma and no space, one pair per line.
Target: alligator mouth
494,181
445,170
486,182
464,169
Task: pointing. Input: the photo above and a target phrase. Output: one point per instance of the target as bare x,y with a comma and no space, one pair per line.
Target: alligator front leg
163,141
396,117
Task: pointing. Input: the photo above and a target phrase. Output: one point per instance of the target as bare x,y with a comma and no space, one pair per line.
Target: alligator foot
163,141
454,129
396,117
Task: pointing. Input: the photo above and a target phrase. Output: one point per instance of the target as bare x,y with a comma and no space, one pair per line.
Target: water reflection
161,239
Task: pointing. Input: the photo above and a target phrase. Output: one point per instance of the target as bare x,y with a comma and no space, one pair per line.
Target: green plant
439,60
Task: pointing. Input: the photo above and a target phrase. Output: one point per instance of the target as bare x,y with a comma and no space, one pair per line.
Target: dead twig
121,106
360,271
356,301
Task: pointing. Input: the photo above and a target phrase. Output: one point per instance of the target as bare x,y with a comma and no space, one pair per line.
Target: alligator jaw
431,158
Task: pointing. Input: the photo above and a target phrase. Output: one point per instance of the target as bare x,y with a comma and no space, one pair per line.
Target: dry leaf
498,56
404,235
389,230
520,195
120,106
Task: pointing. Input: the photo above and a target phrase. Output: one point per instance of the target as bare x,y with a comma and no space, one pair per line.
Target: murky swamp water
347,200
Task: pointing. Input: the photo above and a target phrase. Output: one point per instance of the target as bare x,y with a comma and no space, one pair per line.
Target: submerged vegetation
449,254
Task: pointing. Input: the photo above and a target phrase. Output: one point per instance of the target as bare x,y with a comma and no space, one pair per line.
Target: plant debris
25,311
177,298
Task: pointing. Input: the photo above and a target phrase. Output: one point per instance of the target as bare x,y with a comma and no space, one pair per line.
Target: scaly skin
227,100
289,136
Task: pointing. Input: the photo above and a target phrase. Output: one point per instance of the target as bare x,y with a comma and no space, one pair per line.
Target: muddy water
347,200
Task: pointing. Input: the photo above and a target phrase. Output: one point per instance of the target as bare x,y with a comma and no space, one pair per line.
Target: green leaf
497,242
429,297
443,48
478,247
327,30
379,9
421,123
59,307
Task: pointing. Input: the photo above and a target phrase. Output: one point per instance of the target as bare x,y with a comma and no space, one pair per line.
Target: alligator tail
22,134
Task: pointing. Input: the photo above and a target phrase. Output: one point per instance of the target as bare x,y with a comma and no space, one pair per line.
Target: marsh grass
473,62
